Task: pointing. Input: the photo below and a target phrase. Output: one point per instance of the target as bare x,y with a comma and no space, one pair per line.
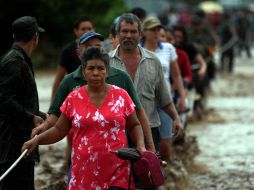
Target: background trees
57,17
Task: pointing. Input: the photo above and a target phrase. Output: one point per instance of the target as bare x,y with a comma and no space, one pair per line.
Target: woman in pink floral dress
99,113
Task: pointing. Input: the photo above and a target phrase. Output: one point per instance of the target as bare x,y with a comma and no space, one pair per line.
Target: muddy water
44,81
226,137
49,173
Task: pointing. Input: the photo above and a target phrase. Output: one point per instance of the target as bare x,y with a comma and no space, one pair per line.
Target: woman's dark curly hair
95,53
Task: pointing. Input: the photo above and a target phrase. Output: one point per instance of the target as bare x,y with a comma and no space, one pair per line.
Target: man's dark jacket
18,104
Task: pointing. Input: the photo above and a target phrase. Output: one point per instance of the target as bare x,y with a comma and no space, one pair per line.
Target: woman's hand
30,145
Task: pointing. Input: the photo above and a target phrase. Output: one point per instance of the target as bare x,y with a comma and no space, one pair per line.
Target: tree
57,17
11,10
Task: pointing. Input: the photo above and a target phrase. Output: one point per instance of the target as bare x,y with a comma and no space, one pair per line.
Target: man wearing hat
19,106
167,55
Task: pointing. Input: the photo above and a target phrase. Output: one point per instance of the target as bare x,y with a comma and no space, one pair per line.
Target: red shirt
96,131
184,65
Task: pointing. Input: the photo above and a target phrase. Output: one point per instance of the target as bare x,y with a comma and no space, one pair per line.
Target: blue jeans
166,125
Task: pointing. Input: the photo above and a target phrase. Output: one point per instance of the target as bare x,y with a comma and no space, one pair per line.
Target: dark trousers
243,45
227,60
21,177
156,139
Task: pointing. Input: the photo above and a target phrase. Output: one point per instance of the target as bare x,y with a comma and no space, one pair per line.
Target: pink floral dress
97,131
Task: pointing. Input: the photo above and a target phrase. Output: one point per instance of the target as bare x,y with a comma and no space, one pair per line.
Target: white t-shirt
166,54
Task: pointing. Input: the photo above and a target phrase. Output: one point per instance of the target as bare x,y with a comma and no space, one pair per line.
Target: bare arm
37,120
177,126
233,32
60,72
146,129
200,60
48,123
54,134
178,83
135,131
215,38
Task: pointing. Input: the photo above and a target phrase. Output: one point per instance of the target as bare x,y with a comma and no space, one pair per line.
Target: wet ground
50,173
225,137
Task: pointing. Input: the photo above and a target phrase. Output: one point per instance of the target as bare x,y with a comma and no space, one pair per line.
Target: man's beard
129,44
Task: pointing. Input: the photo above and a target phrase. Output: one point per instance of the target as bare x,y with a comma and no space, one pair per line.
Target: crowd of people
130,89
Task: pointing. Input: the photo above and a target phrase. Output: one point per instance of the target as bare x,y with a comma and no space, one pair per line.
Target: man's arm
140,114
60,72
146,129
202,66
178,83
54,110
10,79
135,132
55,134
47,124
163,94
62,92
177,126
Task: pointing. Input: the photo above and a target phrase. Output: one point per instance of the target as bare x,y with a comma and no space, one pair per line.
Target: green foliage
58,16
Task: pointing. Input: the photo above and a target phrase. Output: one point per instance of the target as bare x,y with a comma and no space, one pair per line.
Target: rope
13,165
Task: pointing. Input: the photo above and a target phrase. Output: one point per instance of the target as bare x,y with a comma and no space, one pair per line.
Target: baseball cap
26,25
89,35
151,22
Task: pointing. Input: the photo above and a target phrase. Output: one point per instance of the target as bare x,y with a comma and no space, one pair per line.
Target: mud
225,137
